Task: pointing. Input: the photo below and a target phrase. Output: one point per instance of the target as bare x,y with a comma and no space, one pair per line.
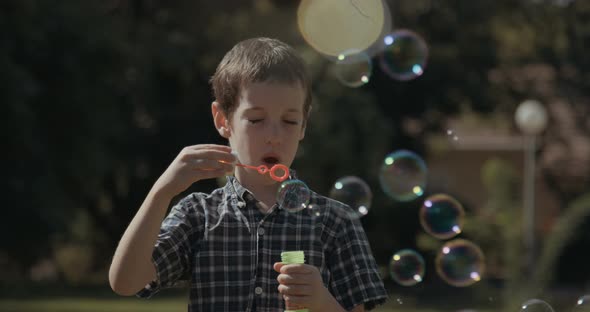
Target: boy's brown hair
258,60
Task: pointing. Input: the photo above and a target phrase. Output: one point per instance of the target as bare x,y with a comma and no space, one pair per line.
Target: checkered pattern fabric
223,247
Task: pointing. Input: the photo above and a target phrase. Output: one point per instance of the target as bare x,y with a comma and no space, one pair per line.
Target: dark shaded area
98,97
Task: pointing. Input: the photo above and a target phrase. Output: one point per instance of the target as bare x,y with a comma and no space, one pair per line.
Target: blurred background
479,108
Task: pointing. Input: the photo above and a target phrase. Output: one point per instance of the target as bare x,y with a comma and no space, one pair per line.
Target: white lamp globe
531,117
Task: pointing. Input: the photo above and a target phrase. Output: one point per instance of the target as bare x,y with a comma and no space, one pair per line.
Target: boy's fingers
277,266
212,154
297,290
295,268
206,164
293,279
210,174
221,156
223,148
209,164
296,300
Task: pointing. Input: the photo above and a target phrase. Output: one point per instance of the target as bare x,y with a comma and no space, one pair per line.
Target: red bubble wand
263,169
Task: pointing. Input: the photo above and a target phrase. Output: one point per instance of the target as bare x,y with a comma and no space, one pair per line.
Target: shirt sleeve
355,277
171,256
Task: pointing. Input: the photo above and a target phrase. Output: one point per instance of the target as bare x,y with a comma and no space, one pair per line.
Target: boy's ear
220,120
306,120
302,134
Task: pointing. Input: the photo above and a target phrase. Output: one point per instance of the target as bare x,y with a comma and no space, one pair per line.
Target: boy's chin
261,179
267,180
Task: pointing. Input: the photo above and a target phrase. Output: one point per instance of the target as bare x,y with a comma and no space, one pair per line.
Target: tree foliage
98,97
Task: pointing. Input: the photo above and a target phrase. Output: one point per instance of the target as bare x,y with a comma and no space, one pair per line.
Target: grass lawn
60,298
130,305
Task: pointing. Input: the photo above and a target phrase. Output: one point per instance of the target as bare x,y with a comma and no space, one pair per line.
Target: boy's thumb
277,266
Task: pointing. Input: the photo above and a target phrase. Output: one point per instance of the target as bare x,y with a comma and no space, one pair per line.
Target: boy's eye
292,122
253,121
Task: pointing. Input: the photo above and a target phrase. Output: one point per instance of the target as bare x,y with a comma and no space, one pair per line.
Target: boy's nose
273,135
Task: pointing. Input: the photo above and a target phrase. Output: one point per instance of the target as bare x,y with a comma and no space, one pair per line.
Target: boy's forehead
259,94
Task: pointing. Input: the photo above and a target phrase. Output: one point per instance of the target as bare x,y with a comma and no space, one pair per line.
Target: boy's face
267,124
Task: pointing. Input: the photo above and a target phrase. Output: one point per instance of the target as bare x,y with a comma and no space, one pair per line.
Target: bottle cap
292,257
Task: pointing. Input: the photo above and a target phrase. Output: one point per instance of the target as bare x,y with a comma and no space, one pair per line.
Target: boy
228,243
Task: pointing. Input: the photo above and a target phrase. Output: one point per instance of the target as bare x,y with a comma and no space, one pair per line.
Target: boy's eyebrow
256,108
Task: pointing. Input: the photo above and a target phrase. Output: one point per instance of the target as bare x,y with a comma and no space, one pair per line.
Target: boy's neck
266,193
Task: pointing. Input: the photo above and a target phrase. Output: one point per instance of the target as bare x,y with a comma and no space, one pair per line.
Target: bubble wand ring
263,169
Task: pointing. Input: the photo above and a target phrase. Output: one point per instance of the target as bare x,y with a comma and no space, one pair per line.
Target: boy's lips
271,159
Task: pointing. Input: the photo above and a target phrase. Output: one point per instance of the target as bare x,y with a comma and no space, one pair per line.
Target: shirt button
258,290
260,231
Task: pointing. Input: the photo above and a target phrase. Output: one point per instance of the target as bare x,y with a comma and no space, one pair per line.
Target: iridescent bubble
442,216
293,195
536,305
352,68
582,304
460,263
406,267
404,55
354,192
403,175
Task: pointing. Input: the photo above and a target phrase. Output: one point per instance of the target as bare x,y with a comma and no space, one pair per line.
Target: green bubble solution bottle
293,257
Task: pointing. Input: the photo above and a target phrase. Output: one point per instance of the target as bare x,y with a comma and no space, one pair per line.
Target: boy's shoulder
331,207
319,199
205,201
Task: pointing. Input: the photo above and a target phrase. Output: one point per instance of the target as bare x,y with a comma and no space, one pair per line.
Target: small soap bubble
352,68
315,210
582,304
354,192
403,175
442,216
452,135
536,305
404,55
460,263
293,195
406,267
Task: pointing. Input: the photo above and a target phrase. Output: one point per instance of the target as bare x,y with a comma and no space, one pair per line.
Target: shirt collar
234,187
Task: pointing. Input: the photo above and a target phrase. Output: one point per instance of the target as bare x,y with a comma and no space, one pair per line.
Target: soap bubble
354,192
460,263
582,304
407,267
452,135
403,175
332,26
536,305
352,68
293,195
442,216
404,55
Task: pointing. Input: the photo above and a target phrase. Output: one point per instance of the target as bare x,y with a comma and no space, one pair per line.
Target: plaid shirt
228,247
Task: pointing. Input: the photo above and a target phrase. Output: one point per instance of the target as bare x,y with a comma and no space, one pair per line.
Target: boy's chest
234,249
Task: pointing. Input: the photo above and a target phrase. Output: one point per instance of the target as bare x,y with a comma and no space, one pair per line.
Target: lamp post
531,119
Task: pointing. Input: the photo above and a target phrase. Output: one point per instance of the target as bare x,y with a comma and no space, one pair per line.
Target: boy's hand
301,285
195,163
